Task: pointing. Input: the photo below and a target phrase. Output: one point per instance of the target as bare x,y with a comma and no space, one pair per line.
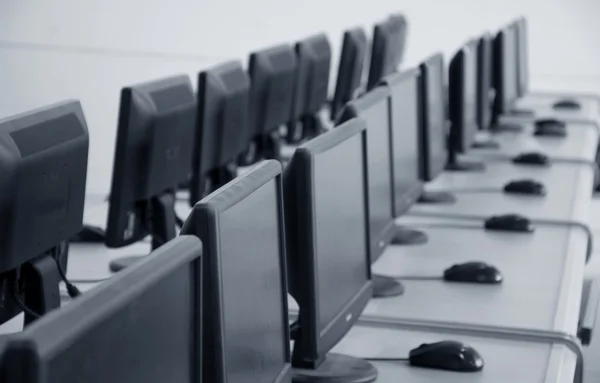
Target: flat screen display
510,70
470,95
405,141
341,239
152,329
377,118
254,329
437,116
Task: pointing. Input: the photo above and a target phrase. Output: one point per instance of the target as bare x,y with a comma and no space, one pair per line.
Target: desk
581,141
541,105
505,360
570,201
543,277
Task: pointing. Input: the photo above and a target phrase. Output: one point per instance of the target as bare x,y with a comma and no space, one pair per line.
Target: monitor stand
407,236
436,197
386,287
270,147
41,279
161,221
456,165
337,368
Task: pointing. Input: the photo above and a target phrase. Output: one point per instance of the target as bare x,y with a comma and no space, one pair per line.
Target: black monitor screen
250,248
142,326
404,109
376,114
341,263
470,93
510,70
433,74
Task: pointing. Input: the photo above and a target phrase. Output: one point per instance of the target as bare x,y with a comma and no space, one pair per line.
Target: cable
91,280
385,359
546,222
416,277
15,295
73,291
462,226
472,190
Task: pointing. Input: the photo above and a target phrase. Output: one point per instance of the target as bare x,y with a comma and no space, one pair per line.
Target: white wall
52,50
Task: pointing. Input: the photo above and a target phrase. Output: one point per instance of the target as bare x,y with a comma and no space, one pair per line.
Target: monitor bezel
354,110
122,215
381,54
83,313
318,340
412,195
484,81
205,221
429,169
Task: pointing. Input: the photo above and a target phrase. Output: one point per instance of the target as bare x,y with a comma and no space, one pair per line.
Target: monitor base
436,197
89,234
509,127
386,287
465,166
121,263
41,278
407,236
337,368
486,144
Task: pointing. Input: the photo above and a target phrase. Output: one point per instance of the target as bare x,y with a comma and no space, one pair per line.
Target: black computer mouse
550,127
532,158
525,187
473,272
446,355
566,104
509,222
89,234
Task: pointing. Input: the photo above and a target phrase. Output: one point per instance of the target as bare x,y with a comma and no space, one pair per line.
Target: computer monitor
433,135
272,73
44,157
522,57
327,236
310,87
143,325
383,53
221,127
505,72
405,118
152,156
462,92
350,69
485,90
246,315
399,31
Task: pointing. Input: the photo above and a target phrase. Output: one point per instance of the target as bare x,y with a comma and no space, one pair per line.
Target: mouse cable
416,277
57,255
14,289
544,222
384,359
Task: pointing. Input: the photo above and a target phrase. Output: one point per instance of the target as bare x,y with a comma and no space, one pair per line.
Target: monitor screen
376,114
484,82
341,242
141,326
470,94
510,70
251,264
433,76
404,109
522,53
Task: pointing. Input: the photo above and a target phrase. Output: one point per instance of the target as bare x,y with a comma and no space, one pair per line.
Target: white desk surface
543,277
505,360
580,143
541,104
570,201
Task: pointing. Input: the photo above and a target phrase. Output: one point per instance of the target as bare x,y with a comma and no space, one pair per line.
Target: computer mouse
89,234
473,272
525,187
509,222
446,355
550,127
532,158
566,104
